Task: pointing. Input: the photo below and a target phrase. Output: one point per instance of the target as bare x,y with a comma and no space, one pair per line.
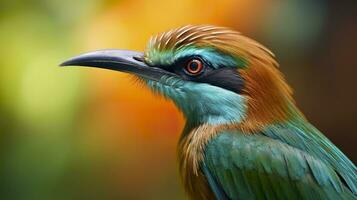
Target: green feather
260,167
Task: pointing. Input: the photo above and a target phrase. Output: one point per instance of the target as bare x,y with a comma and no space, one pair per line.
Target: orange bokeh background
81,133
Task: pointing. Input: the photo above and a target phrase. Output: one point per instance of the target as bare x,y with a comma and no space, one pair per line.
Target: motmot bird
244,136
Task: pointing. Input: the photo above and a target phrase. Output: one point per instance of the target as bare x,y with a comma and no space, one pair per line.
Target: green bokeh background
43,150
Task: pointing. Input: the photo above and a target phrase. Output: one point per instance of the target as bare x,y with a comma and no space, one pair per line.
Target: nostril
140,59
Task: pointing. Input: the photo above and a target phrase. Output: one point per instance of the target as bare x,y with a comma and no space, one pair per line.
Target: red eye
194,67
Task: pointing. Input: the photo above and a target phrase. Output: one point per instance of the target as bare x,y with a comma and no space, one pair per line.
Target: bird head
214,75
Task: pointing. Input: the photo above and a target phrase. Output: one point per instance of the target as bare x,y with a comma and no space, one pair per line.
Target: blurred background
78,133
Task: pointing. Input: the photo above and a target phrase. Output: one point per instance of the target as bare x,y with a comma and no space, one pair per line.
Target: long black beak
119,60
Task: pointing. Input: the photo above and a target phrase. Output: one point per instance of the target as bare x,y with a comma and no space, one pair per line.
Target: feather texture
260,167
221,38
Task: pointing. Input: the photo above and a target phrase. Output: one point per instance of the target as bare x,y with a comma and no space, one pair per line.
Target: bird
244,136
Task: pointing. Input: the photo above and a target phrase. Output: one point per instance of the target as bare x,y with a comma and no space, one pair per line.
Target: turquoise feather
225,107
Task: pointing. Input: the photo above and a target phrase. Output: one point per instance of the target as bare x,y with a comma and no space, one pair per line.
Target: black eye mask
224,77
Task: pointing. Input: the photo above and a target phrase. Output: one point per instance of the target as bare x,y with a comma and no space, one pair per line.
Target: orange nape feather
269,96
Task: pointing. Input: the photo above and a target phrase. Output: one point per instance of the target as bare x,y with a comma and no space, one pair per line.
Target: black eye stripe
226,77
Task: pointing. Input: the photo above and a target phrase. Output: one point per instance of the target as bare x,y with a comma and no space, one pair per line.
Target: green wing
259,167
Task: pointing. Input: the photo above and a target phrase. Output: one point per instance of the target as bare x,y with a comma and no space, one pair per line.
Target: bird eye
194,67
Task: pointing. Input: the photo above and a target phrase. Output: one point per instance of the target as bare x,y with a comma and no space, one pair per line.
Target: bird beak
119,60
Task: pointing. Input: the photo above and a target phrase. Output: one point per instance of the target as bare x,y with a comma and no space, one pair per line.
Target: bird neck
248,123
210,104
202,103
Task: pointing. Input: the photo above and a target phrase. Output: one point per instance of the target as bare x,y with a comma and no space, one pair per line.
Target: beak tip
62,64
69,62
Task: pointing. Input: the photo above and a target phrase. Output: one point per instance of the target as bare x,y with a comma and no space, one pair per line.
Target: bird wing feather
259,167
